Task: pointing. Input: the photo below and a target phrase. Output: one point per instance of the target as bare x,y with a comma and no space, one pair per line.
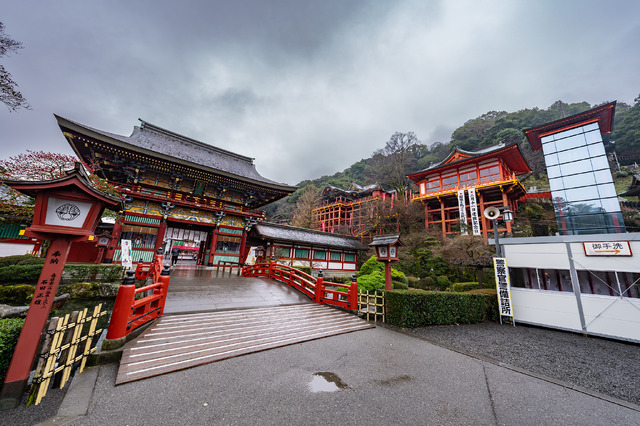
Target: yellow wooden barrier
59,351
371,305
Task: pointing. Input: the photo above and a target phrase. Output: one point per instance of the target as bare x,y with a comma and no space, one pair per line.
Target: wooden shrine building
349,211
456,191
178,192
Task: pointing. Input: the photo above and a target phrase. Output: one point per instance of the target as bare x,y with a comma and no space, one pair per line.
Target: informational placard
392,251
125,246
463,212
473,208
63,212
607,248
503,284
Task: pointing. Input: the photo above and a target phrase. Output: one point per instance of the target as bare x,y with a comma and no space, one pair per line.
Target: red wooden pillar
25,352
243,243
160,237
484,220
387,276
443,219
117,230
212,250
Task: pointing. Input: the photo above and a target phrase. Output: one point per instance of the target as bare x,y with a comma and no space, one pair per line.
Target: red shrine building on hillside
456,191
350,211
178,192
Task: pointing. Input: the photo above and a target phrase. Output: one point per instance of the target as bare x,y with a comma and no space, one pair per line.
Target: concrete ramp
177,342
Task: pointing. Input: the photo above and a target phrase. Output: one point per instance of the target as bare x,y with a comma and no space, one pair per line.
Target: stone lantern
67,209
387,251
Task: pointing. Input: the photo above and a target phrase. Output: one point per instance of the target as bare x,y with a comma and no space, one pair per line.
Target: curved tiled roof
290,234
158,142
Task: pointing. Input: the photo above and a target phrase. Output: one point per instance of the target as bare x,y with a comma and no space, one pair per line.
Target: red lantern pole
16,380
387,276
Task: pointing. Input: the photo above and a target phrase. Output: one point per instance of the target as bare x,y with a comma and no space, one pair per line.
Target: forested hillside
488,129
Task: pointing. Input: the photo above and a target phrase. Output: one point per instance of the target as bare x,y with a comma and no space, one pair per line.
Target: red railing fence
317,289
135,307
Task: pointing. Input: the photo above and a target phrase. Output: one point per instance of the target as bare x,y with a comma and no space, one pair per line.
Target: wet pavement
198,289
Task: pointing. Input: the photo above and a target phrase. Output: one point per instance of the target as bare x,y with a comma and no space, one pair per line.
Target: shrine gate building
456,191
178,192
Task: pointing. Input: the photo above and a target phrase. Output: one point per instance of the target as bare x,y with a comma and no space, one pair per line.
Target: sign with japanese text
473,207
463,212
503,286
62,212
607,248
125,246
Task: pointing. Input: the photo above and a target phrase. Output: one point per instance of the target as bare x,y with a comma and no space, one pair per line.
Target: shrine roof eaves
291,234
157,142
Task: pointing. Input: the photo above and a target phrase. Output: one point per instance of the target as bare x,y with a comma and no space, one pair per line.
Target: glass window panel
550,160
282,252
572,142
553,171
546,139
596,149
589,221
593,137
590,127
556,184
582,179
320,255
302,254
559,197
607,190
615,220
575,167
349,257
583,207
599,162
573,155
567,133
549,148
336,257
579,194
610,204
603,176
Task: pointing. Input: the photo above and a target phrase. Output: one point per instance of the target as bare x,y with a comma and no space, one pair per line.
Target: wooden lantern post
67,209
387,252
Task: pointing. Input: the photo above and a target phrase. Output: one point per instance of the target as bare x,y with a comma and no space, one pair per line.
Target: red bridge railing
137,306
317,289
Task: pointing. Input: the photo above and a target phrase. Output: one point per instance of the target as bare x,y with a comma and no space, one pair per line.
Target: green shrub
305,269
416,308
462,287
371,265
9,332
20,274
491,291
16,295
92,272
443,281
398,276
397,285
20,259
428,282
415,283
371,282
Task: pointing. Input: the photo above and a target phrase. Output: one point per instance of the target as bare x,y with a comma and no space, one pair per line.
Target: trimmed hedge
397,285
9,332
16,294
29,273
306,269
416,308
462,287
21,259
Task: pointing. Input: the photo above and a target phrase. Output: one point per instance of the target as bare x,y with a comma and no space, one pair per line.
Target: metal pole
497,239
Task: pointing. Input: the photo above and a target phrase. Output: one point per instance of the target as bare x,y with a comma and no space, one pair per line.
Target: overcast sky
308,87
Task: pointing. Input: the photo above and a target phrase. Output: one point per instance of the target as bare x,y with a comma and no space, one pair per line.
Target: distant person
175,252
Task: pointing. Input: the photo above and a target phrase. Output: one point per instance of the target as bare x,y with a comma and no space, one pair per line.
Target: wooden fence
66,344
371,306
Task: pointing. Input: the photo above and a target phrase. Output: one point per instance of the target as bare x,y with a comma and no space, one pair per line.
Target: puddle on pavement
326,382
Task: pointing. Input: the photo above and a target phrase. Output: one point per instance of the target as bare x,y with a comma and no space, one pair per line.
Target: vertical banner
504,286
463,212
473,207
125,246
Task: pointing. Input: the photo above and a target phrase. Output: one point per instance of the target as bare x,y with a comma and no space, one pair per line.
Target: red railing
137,306
316,289
152,269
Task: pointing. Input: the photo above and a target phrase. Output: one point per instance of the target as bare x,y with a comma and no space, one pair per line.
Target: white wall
10,249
